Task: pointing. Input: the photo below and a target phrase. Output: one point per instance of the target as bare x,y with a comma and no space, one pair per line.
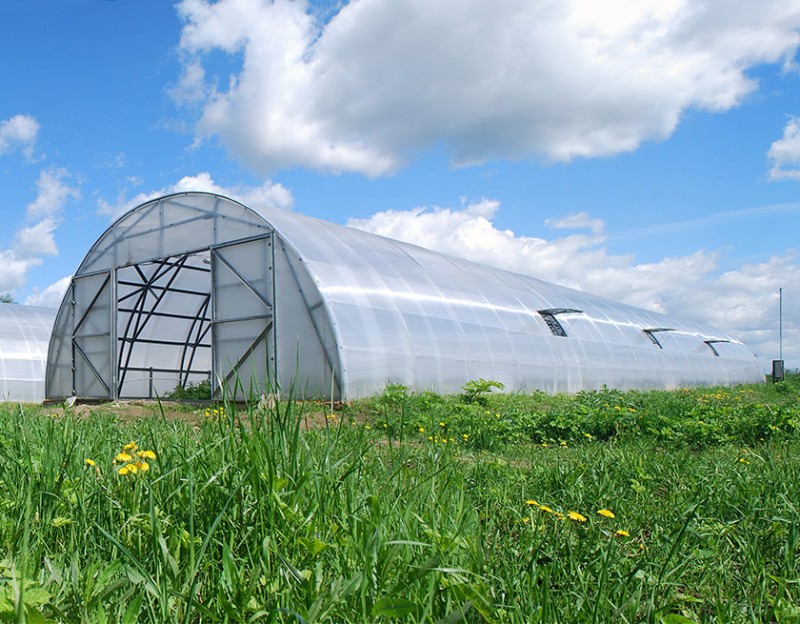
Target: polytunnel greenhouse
197,287
24,335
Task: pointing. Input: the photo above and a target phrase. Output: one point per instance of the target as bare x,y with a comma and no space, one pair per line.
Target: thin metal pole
780,323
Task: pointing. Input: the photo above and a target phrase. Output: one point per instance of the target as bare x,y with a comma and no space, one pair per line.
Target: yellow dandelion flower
130,446
123,457
560,516
133,468
90,462
742,460
367,427
430,438
546,509
574,515
124,470
142,465
441,424
606,513
523,520
422,429
544,444
146,455
531,502
622,533
465,437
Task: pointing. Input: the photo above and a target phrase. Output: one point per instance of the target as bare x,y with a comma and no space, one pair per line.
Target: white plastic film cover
24,335
335,311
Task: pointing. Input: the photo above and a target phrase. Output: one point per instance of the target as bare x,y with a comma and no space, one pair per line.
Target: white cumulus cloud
52,193
19,133
36,237
743,302
784,154
382,80
51,296
36,240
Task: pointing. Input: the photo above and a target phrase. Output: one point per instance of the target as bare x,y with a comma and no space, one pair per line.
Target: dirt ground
314,414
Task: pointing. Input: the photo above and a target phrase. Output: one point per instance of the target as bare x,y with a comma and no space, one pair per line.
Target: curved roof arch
196,285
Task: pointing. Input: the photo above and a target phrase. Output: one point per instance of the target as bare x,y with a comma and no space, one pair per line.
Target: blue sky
647,151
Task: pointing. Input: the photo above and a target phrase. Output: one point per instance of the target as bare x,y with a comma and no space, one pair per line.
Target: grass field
607,506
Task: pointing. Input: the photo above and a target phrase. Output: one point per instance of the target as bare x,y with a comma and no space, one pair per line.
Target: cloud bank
381,80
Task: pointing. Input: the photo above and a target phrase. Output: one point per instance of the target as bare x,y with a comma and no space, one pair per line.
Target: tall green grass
409,507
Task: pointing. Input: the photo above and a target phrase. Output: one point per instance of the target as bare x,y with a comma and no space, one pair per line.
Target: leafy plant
474,391
200,391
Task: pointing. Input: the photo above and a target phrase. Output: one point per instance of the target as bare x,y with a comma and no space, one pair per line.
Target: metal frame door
92,336
243,325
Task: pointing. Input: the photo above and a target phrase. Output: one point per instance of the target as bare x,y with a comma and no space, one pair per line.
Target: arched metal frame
181,290
196,286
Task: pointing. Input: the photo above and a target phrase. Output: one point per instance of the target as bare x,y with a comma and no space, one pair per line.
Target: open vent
651,334
549,317
710,344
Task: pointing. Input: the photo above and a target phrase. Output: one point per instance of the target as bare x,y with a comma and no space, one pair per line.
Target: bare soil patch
315,415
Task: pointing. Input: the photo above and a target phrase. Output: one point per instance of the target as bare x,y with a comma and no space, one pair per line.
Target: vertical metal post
780,323
274,378
73,365
113,363
214,374
777,365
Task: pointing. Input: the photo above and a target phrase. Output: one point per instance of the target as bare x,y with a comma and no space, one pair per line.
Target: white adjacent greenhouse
24,335
195,286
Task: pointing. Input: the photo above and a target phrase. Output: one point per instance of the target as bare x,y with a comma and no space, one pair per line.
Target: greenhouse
196,287
24,335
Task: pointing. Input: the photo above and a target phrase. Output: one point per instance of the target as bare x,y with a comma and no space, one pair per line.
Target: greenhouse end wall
196,286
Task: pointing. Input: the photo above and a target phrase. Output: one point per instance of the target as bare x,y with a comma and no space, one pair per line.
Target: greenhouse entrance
187,289
169,313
